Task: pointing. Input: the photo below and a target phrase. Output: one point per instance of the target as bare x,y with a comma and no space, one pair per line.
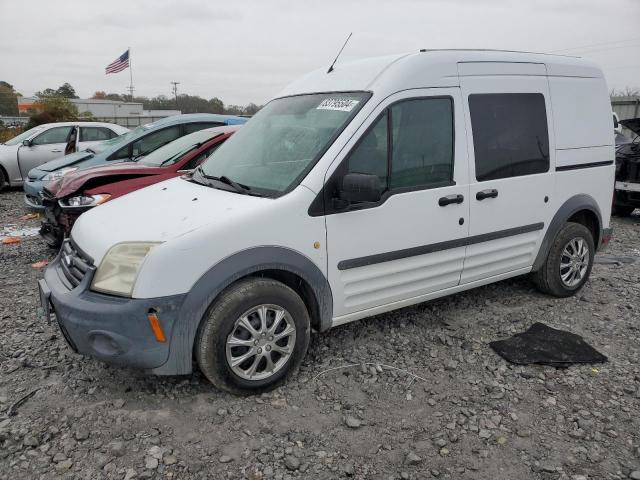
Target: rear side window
53,135
510,136
95,134
196,127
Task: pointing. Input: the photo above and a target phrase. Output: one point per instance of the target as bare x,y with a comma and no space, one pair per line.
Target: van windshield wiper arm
238,187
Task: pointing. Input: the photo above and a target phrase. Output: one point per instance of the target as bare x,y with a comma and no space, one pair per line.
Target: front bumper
33,193
112,329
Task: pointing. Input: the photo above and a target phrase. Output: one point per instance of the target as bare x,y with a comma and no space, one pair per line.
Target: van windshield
283,141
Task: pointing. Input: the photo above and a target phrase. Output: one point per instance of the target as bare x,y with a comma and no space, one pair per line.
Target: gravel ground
466,414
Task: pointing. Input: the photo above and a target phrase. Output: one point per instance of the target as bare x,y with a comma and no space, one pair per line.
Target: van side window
422,153
371,154
510,136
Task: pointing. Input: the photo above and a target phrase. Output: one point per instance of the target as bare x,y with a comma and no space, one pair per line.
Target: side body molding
568,208
223,274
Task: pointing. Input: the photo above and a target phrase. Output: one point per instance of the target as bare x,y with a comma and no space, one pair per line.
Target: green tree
65,91
52,109
252,109
216,105
8,99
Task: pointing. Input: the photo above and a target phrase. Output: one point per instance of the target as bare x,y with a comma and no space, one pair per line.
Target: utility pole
131,89
175,92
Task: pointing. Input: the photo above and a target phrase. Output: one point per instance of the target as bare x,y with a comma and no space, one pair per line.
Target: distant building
127,114
25,104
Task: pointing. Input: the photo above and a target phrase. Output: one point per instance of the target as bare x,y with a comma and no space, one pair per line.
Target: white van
383,183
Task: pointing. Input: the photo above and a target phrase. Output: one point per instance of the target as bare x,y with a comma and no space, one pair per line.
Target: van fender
564,213
204,292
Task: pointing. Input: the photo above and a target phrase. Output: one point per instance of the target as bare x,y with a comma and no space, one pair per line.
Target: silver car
47,142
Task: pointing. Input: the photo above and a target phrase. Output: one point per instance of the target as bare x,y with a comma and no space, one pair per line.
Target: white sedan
47,142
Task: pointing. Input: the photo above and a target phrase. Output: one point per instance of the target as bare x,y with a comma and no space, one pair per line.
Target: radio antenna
337,56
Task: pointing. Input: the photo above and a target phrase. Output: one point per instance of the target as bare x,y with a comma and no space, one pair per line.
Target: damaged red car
66,199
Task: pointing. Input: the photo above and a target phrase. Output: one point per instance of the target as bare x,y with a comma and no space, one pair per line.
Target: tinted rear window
510,136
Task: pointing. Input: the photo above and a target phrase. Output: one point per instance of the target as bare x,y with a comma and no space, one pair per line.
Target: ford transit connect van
380,184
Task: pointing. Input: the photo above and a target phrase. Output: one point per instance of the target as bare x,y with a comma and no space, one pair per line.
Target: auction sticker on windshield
342,104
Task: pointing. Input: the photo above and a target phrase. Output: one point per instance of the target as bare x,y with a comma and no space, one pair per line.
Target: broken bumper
112,329
33,193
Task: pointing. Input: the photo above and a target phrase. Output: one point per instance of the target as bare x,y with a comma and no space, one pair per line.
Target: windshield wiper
89,150
238,187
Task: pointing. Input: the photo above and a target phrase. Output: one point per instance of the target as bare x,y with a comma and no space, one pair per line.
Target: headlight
119,268
58,173
84,200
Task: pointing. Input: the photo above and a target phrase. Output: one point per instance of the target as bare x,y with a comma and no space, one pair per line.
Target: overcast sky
246,51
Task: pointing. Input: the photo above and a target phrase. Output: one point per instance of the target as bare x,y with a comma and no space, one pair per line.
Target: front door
411,242
511,179
46,146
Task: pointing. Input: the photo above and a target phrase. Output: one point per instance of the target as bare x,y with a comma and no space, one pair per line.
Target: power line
595,45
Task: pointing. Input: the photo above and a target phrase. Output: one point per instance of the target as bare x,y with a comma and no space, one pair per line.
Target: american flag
119,64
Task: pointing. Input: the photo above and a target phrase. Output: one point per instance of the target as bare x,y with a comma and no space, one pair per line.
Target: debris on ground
544,345
9,240
40,264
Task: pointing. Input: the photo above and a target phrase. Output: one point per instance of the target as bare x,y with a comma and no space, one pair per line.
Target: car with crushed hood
139,142
46,142
627,190
66,198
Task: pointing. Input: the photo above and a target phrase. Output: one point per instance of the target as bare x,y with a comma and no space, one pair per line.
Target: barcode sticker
342,104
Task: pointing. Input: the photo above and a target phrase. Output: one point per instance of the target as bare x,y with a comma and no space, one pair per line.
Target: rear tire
4,181
258,319
568,263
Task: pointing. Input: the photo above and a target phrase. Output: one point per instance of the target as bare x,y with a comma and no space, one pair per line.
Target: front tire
568,263
253,336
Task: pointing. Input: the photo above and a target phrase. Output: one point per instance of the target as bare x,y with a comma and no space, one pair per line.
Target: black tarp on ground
547,346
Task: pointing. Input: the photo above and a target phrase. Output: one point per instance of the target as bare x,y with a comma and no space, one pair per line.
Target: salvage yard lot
466,414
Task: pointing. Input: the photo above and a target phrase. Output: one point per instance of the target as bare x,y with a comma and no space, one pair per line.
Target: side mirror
361,187
26,143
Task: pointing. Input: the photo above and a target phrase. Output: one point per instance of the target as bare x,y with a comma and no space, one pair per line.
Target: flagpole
130,76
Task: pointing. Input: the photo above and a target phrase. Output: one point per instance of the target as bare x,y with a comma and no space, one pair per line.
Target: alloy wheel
574,262
261,342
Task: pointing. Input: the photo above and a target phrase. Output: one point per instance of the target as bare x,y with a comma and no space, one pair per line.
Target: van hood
160,213
632,124
66,161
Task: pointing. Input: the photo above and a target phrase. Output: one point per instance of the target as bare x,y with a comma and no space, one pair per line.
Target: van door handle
444,201
490,193
56,151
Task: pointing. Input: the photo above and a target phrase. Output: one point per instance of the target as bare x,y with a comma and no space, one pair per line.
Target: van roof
430,68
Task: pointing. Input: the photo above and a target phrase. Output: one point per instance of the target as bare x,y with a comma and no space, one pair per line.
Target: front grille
74,263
